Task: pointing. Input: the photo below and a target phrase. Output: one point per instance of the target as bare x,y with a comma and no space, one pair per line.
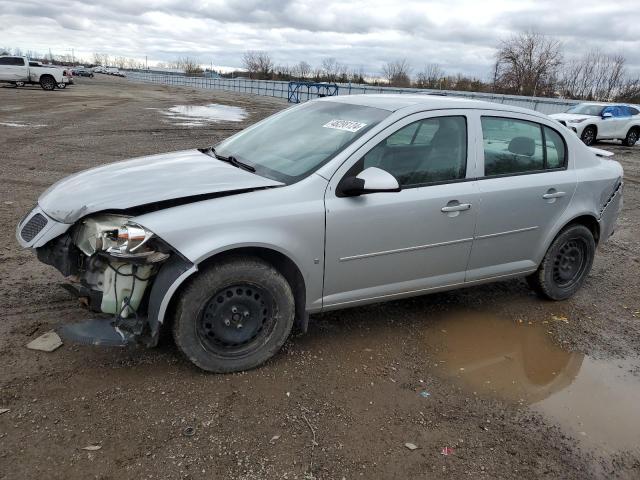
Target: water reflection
199,115
595,401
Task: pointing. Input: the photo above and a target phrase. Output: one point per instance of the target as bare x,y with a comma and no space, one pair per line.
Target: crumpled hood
145,180
569,117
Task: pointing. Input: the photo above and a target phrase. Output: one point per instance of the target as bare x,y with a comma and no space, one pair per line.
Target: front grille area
33,227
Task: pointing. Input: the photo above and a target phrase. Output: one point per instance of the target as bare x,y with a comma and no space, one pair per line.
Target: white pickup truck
18,71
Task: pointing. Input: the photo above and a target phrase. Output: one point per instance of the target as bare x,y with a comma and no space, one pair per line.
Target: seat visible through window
427,151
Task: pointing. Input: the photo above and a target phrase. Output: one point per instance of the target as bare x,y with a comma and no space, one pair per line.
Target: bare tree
302,70
595,76
397,73
331,69
258,64
430,77
629,91
527,64
189,65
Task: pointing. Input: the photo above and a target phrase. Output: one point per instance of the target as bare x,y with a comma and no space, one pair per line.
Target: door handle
456,208
547,196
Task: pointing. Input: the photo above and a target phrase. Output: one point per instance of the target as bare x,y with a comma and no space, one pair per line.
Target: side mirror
370,180
607,115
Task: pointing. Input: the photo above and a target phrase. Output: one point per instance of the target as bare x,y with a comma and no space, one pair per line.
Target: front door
525,188
381,245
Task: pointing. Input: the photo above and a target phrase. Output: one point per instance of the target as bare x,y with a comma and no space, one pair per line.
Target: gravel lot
477,370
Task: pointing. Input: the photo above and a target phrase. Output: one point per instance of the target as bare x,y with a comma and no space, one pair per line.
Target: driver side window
428,151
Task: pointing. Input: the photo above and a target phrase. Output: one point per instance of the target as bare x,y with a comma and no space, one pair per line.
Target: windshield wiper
232,160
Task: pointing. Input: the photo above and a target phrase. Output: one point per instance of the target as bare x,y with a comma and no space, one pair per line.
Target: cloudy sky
460,35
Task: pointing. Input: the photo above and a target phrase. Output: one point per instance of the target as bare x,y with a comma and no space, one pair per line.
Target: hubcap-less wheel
632,138
236,320
569,264
588,136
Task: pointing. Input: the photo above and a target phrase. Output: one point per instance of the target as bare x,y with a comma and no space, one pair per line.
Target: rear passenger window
556,150
513,146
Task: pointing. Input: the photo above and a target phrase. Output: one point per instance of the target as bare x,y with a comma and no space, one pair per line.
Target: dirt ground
339,402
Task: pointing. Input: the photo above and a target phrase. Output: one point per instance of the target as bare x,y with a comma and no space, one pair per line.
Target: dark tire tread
206,283
541,280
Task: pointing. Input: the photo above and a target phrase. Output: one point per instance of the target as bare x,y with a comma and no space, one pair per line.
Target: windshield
586,109
289,146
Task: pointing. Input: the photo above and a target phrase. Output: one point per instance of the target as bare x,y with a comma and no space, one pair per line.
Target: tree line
527,63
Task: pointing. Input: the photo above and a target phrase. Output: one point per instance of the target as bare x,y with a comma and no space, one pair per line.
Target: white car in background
602,121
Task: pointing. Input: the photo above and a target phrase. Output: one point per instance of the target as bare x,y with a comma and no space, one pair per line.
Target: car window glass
426,151
6,61
511,146
556,150
633,111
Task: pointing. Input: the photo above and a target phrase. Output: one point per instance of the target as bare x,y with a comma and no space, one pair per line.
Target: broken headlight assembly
117,236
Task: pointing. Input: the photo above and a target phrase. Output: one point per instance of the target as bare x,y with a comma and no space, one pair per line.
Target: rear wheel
234,315
565,265
47,82
632,137
19,84
588,136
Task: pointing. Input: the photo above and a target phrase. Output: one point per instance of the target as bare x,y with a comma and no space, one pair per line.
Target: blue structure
311,90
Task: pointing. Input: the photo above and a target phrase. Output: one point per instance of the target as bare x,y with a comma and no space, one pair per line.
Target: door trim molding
508,232
406,249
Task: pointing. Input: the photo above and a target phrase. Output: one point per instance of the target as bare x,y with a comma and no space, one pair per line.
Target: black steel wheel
236,319
234,315
588,136
566,264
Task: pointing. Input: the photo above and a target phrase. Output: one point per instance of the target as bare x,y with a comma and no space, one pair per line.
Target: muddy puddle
201,115
594,401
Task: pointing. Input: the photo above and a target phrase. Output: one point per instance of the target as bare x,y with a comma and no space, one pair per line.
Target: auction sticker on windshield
347,125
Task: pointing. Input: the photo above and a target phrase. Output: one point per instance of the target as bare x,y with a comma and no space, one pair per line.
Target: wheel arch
165,293
587,219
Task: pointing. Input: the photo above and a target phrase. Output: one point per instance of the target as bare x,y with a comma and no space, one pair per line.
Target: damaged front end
110,263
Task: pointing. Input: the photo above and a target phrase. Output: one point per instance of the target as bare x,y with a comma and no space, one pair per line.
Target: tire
47,82
588,136
632,137
234,315
62,86
566,264
19,84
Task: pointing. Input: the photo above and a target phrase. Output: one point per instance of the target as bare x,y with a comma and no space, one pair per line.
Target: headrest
522,146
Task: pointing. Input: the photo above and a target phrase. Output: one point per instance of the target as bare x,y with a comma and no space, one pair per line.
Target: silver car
334,203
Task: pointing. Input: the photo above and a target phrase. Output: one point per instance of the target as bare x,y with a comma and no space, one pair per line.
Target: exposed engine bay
109,262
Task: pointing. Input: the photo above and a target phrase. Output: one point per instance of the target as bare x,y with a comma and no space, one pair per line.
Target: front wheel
588,136
566,264
47,83
62,86
234,315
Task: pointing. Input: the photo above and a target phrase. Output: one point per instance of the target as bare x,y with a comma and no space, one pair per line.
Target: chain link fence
279,89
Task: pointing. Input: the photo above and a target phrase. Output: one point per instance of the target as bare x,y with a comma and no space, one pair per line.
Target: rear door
382,245
525,187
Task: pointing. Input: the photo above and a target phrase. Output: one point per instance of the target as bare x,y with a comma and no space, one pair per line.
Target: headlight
577,121
129,240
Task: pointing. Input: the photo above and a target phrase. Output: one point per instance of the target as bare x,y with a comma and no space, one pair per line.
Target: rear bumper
610,211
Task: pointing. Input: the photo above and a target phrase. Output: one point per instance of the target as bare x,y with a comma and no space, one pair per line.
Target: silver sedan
337,202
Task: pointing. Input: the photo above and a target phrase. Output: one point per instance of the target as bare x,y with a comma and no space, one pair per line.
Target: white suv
601,121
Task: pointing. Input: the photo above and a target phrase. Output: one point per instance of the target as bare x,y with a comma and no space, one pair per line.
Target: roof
397,101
